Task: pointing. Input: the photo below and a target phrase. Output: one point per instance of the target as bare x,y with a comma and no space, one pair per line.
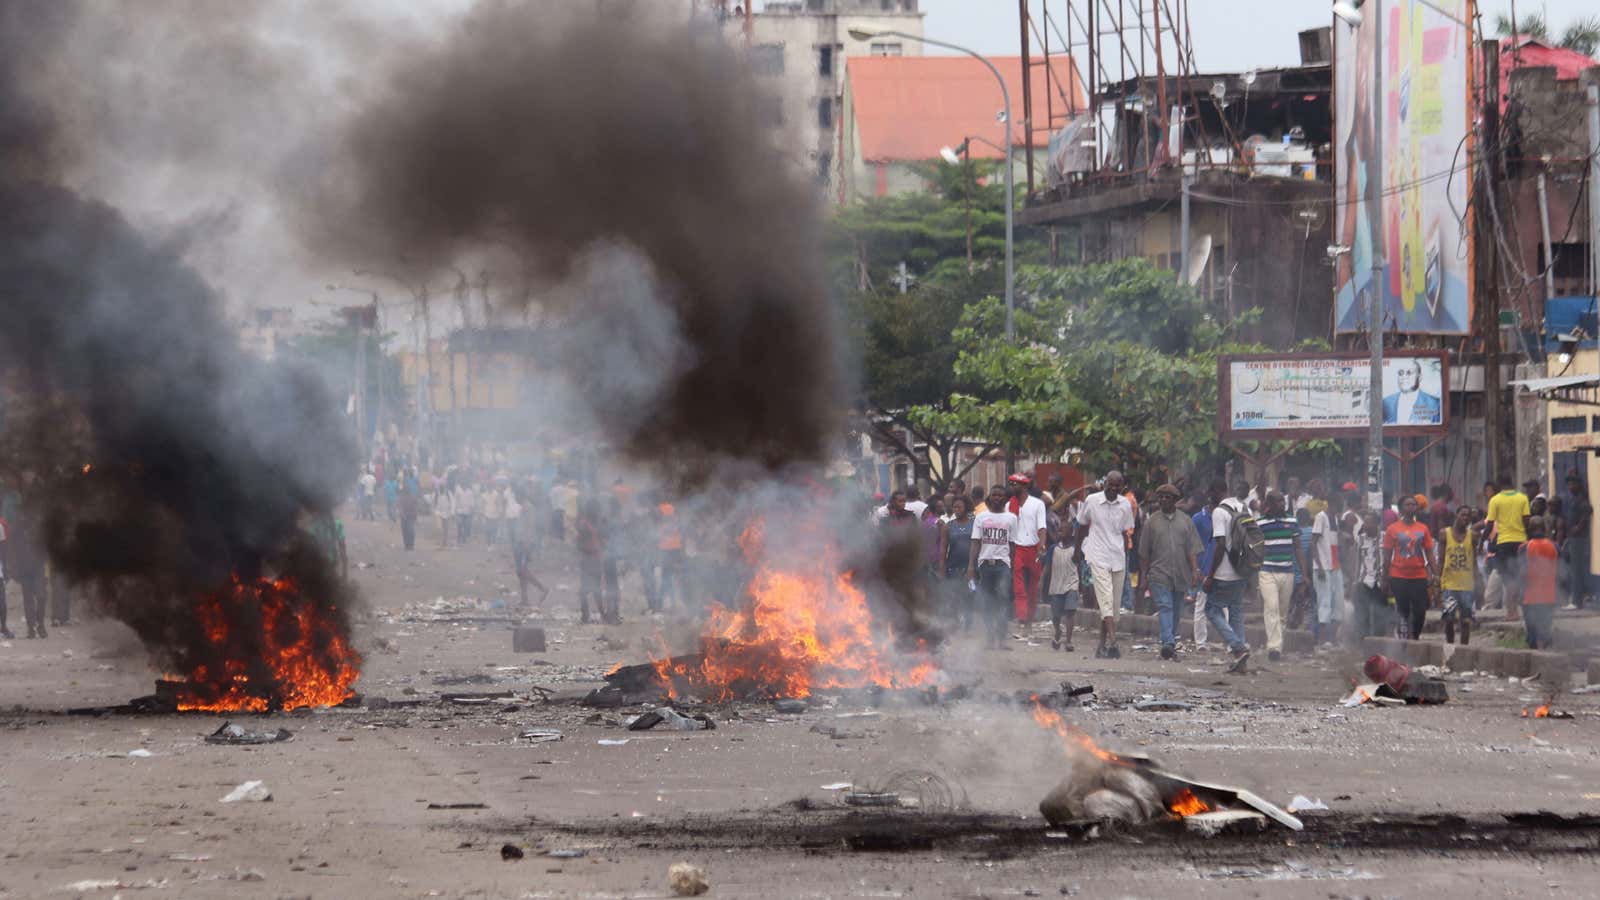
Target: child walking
1060,579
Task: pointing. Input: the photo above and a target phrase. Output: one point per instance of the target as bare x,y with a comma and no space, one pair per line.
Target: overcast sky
1229,35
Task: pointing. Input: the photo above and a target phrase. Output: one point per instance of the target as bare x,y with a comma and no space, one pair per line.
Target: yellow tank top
1457,574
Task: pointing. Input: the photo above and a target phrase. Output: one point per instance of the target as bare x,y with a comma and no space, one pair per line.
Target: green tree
904,331
1581,34
331,347
1115,359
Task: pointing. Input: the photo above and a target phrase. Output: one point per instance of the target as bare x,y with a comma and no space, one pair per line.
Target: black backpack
1247,545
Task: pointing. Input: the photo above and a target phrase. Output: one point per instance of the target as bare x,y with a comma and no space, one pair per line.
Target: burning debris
1106,786
1545,710
140,476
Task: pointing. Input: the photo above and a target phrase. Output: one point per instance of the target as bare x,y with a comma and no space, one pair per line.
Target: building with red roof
899,111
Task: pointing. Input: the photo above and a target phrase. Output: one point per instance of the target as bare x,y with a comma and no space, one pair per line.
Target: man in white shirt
1224,586
914,502
494,511
1327,578
1108,517
989,563
369,490
1026,564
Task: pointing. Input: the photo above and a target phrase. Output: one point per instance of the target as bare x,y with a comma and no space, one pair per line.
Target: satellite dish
1199,255
1249,78
1219,90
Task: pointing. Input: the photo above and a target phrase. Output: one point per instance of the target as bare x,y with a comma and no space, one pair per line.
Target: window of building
825,113
825,61
824,166
1571,258
1569,425
766,59
886,49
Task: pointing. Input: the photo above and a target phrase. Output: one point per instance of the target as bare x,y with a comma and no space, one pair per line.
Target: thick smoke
538,131
154,458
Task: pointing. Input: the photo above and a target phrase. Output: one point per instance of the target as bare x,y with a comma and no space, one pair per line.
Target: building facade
899,113
798,49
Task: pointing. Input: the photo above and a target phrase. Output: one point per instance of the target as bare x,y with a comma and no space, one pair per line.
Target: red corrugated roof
907,107
1524,51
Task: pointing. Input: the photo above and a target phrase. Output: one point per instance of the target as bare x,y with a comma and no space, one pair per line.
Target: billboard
1308,395
1419,186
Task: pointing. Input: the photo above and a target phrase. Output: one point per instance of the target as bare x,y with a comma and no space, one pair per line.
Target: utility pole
1592,105
966,188
1183,227
1375,301
1483,229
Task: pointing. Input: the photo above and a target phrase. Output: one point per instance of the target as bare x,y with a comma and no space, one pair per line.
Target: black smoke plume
546,133
155,460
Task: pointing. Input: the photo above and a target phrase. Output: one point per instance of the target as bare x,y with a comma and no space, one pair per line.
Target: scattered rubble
686,880
229,733
510,852
250,792
1302,803
672,719
1162,706
1227,821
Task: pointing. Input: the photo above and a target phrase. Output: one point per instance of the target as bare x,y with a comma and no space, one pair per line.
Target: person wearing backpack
1231,523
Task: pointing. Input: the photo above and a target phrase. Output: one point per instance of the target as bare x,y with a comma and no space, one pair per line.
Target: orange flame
799,631
1052,720
305,658
1539,712
1185,803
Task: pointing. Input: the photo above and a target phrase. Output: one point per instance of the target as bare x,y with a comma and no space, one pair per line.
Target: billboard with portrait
1326,395
1418,187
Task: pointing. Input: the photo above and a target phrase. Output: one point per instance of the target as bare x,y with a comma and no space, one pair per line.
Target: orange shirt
1543,558
1406,545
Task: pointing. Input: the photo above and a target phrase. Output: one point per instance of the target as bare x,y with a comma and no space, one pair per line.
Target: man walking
1169,553
1509,511
1327,577
1579,513
25,566
1032,530
1224,584
989,563
407,504
1202,530
1107,517
1276,582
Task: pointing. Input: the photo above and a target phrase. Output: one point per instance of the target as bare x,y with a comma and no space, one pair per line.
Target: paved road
350,812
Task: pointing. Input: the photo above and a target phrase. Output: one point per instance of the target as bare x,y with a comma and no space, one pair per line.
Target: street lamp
862,33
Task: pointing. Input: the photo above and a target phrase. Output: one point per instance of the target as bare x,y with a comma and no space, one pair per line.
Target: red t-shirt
1407,545
1543,558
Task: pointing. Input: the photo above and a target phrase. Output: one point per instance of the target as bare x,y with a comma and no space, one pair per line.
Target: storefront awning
1544,385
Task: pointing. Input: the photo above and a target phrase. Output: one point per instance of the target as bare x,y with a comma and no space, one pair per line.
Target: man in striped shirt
1276,581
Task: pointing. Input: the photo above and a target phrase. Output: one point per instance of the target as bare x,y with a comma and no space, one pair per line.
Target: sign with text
1307,396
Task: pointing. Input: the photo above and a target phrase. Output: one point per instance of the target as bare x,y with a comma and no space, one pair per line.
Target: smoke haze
155,460
538,131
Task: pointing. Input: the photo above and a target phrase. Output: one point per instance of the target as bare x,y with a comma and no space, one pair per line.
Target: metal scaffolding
1145,42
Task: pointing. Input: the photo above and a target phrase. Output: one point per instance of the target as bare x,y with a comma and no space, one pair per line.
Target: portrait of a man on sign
1412,392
